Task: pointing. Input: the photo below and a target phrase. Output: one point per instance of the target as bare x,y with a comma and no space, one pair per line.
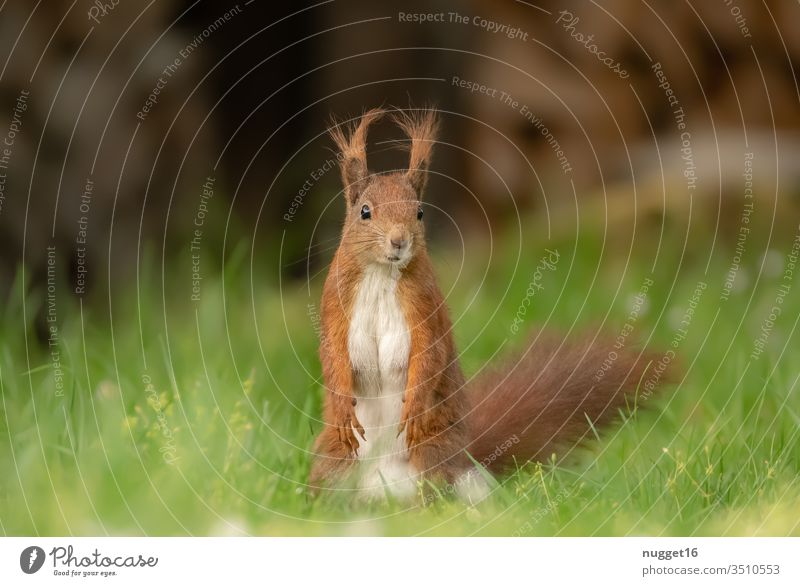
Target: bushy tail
544,400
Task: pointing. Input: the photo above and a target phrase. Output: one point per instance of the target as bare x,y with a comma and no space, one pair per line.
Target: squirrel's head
384,210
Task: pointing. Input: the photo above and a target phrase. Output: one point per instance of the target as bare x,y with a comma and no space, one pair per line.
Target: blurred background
169,203
252,86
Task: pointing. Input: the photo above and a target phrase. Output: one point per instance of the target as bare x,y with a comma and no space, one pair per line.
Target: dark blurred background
253,86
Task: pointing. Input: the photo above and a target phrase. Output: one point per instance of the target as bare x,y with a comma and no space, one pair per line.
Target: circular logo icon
31,559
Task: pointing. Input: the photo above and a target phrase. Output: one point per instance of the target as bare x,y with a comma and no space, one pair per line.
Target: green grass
235,401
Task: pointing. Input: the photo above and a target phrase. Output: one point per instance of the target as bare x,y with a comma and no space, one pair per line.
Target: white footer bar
401,561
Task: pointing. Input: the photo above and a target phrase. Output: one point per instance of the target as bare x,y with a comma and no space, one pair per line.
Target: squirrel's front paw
411,420
347,424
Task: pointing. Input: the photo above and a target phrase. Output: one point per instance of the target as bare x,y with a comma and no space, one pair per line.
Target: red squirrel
398,412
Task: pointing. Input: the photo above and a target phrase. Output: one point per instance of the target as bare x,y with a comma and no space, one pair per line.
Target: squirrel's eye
419,213
365,213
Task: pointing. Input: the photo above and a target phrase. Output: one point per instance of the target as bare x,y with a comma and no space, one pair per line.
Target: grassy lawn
179,417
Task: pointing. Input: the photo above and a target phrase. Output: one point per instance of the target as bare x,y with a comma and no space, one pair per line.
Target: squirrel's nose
398,239
398,242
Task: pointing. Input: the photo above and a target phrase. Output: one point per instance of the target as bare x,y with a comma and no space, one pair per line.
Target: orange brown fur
421,128
543,398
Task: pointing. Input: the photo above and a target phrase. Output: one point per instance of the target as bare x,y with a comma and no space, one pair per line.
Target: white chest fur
379,344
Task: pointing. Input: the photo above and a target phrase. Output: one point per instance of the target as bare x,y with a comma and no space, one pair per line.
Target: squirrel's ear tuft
421,126
351,140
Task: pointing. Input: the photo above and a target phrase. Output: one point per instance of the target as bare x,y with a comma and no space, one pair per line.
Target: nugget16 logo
31,559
